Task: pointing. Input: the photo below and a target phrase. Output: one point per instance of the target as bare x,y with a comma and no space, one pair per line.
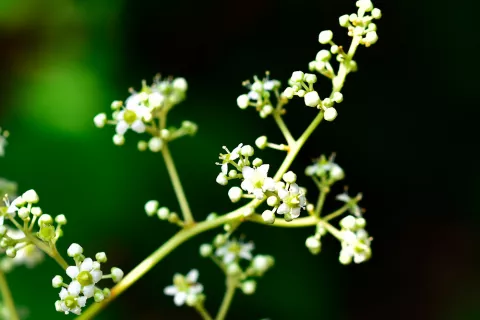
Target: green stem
177,186
227,299
336,213
283,127
203,312
320,202
296,223
7,298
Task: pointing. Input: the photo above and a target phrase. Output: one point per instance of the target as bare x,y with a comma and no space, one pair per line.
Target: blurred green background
406,135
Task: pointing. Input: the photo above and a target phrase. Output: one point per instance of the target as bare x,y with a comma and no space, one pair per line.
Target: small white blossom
256,180
228,157
184,288
133,115
155,99
234,250
74,250
71,301
86,275
293,201
100,120
354,208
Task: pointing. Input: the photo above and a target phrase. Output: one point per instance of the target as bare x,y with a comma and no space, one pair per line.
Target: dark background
406,135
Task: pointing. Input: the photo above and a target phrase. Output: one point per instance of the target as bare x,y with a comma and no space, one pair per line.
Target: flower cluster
229,256
145,111
3,141
260,95
186,289
26,254
326,170
163,213
84,275
355,240
239,159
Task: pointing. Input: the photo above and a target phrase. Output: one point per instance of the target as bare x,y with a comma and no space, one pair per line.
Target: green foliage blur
63,61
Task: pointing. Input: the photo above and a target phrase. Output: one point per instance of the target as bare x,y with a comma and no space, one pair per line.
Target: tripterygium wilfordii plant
264,194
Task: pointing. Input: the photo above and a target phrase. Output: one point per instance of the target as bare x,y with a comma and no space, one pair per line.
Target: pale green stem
296,223
336,213
320,202
203,312
7,298
177,186
227,299
283,127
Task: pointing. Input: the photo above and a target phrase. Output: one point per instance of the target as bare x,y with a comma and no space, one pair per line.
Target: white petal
268,184
121,127
258,193
74,288
246,255
225,168
63,293
229,257
294,188
264,169
247,186
196,289
87,265
88,291
138,126
170,290
96,275
192,276
248,172
221,251
282,193
343,197
295,212
76,310
120,114
180,298
132,101
73,272
283,208
82,301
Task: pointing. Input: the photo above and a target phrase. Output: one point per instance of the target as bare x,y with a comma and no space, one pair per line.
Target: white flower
133,115
293,200
184,288
100,120
323,167
228,157
70,300
233,250
353,207
256,180
86,275
355,245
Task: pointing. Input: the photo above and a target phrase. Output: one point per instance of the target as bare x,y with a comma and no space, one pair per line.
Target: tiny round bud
61,219
345,258
23,213
268,216
235,194
222,179
261,142
3,230
57,281
336,172
74,250
11,252
312,99
288,93
100,120
233,269
257,162
330,114
360,223
173,217
36,211
311,66
366,5
272,201
338,97
155,144
101,257
142,145
45,219
344,20
358,31
334,49
313,244
220,240
206,250
116,105
297,76
30,196
289,177
98,296
163,213
323,55
310,207
243,101
118,140
211,216
267,110
301,93
106,292
249,286
320,230
180,84
247,151
262,263
310,78
325,36
232,173
117,274
164,134
376,13
348,222
371,37
155,99
151,207
319,65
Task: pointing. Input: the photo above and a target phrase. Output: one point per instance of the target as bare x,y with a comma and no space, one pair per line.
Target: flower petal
96,275
121,127
74,288
88,291
192,276
72,272
170,290
87,265
180,298
138,126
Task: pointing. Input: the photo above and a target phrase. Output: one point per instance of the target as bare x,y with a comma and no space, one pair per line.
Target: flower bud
344,20
100,120
313,244
325,36
11,252
289,177
268,216
23,213
310,78
57,281
249,286
163,213
151,207
257,162
61,219
155,144
348,222
330,114
180,84
206,250
261,142
117,274
118,140
220,240
36,211
74,250
312,99
45,219
297,76
376,13
233,269
222,179
243,101
30,196
288,93
247,151
235,194
272,201
323,55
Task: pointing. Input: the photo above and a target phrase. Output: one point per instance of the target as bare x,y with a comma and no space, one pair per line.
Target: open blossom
133,115
184,288
355,245
232,250
86,275
229,156
256,180
70,300
293,201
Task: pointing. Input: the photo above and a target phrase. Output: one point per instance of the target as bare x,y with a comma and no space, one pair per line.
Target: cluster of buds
360,24
301,85
152,208
145,111
3,141
260,95
84,275
326,170
230,255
